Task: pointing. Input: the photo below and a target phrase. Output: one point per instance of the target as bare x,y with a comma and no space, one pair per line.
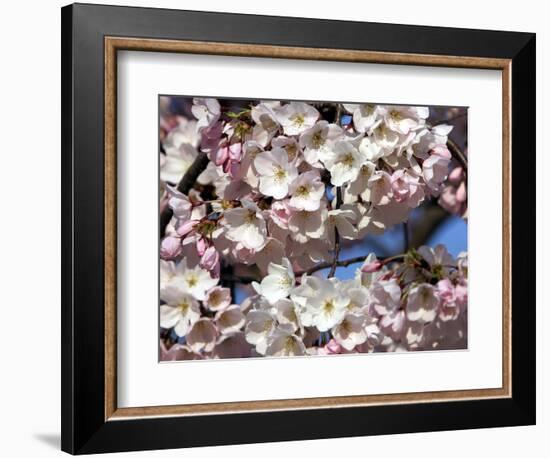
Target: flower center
369,109
285,281
291,151
365,170
425,294
346,325
298,119
280,174
302,191
328,306
184,307
381,129
395,115
267,326
215,298
348,160
289,344
317,140
250,217
192,280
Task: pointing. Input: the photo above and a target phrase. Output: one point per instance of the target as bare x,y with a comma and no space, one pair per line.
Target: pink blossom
201,245
170,247
446,290
280,213
371,266
210,259
186,227
435,170
442,151
393,323
461,292
177,352
221,155
331,348
406,188
211,136
456,176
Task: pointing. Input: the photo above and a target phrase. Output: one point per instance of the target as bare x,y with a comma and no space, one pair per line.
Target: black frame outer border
84,429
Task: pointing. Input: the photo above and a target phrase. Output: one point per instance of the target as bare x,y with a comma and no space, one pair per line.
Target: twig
458,154
451,119
317,267
184,186
337,116
336,237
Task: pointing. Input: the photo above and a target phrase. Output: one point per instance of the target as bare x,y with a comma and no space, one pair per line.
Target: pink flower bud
221,155
442,151
370,267
201,245
186,227
461,194
235,152
210,259
333,347
445,290
455,177
461,293
170,247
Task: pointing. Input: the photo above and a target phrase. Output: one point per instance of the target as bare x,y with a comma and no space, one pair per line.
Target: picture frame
92,421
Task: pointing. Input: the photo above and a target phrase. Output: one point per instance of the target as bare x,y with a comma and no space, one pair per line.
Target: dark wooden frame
90,419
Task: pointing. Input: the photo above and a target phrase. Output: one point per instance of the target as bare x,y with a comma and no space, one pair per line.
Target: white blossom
206,110
195,280
296,117
284,342
180,310
275,172
422,303
246,225
278,283
306,191
344,163
260,324
318,140
364,116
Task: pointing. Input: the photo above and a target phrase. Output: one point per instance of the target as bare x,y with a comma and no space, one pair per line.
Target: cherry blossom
180,310
285,196
275,171
278,283
194,280
246,225
296,117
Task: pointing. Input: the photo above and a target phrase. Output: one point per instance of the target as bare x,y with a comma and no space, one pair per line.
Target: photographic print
311,228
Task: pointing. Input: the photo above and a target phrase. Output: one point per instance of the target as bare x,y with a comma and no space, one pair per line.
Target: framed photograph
282,228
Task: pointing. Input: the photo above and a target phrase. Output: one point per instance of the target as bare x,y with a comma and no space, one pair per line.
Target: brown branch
324,265
184,186
336,237
450,120
332,272
457,153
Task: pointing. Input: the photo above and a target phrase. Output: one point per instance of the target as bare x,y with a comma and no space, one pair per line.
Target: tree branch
337,116
336,237
184,186
317,267
458,154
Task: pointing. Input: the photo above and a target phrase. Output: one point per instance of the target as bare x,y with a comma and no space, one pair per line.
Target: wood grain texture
112,44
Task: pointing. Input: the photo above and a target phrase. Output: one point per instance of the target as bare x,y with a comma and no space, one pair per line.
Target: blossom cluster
283,185
415,303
